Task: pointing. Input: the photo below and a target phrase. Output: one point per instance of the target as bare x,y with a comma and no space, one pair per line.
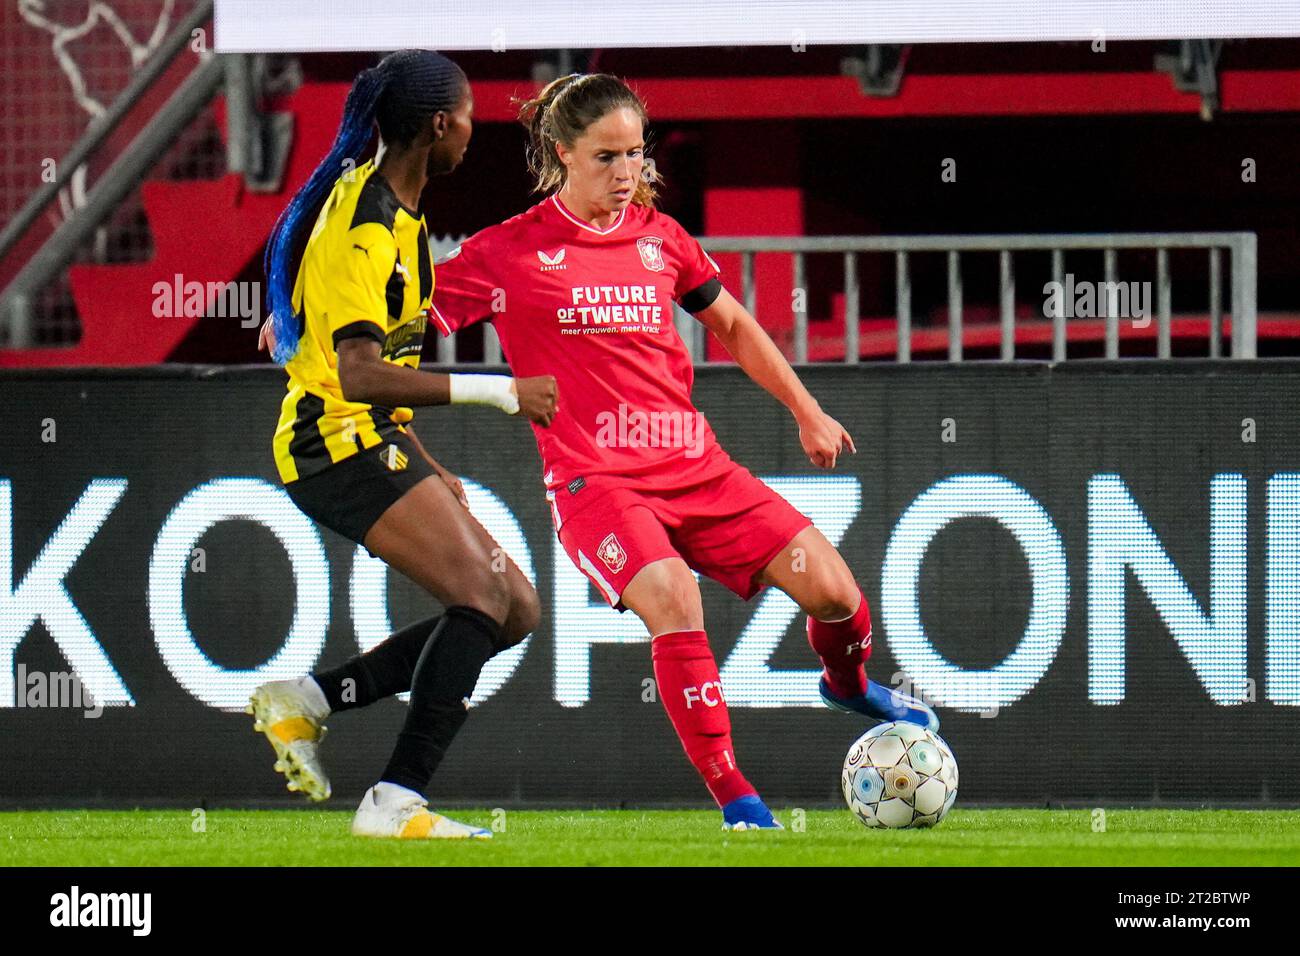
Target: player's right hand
538,398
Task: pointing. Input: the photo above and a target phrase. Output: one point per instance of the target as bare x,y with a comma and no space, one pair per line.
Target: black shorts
350,496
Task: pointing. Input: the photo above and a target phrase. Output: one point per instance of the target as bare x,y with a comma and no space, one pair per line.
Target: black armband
699,299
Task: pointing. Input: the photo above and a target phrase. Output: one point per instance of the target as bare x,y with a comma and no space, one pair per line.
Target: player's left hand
823,439
266,337
452,482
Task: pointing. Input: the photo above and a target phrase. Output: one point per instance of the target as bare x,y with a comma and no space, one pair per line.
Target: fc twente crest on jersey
651,249
612,553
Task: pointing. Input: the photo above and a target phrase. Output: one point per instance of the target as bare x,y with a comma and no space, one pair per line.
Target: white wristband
484,390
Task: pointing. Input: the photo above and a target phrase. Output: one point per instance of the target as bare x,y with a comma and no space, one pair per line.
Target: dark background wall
1165,431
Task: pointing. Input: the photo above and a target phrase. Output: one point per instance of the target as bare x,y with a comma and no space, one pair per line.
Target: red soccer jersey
594,308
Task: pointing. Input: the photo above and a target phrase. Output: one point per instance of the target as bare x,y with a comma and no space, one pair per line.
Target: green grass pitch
311,837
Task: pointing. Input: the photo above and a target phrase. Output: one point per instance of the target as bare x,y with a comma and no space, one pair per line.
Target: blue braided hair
401,94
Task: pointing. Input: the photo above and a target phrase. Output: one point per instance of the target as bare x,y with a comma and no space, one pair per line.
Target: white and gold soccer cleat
286,713
388,810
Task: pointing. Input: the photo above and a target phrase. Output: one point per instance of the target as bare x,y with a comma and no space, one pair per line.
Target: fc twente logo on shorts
612,553
651,249
393,458
551,263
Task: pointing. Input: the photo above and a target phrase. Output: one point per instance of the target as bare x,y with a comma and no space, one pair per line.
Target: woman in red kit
581,286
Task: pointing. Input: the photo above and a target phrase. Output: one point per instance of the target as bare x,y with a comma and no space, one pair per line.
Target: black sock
386,669
444,679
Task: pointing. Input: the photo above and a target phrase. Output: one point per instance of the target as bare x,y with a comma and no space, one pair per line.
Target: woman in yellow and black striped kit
348,324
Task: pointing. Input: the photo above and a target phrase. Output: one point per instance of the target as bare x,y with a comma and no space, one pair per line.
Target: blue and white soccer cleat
881,703
749,813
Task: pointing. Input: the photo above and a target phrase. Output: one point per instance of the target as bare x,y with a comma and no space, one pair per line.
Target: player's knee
489,592
678,605
525,614
835,598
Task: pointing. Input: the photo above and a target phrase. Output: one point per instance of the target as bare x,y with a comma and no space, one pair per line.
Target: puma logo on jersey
552,263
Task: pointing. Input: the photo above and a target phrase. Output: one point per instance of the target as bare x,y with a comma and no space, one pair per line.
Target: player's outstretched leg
435,542
291,713
384,670
844,647
389,667
839,630
300,706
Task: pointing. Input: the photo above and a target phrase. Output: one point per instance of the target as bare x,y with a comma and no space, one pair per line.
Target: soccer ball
899,775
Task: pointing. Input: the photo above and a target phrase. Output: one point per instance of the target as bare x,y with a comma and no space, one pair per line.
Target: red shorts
729,528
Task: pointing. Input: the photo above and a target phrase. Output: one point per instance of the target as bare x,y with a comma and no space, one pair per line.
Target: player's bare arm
365,377
822,437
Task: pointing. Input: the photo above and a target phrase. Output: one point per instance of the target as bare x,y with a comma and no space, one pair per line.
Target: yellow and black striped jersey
366,271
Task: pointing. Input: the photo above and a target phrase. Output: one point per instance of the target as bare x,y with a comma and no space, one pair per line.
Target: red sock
843,647
687,676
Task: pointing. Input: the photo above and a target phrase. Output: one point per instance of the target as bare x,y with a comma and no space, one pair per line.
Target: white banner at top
338,25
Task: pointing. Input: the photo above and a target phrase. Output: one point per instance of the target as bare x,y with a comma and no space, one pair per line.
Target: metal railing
1241,247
